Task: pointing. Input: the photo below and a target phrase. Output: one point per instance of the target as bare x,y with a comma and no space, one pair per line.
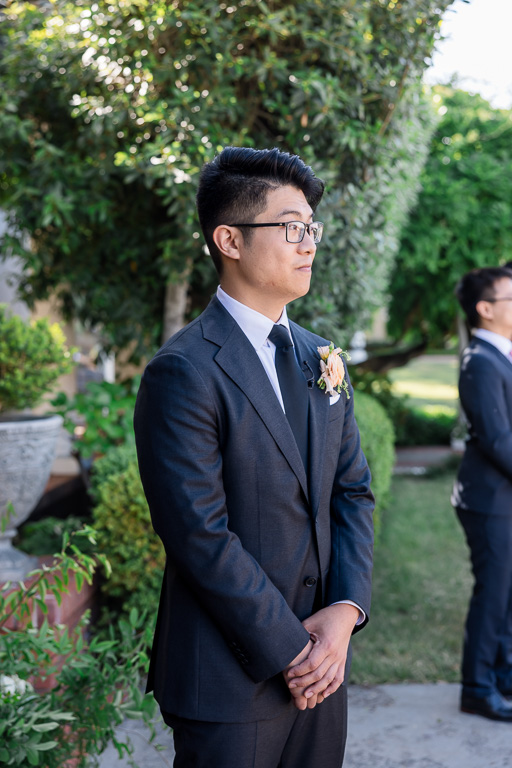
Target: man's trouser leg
489,538
293,740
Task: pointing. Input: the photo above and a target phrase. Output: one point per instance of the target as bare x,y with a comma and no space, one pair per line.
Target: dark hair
476,286
234,187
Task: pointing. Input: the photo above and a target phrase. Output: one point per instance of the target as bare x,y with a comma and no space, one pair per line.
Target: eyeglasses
502,298
295,230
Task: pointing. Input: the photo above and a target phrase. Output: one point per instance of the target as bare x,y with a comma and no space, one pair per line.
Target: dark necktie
294,388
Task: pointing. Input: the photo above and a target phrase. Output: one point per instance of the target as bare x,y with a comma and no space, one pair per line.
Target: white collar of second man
501,343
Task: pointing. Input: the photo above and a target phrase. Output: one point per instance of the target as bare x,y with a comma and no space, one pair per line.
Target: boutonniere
332,377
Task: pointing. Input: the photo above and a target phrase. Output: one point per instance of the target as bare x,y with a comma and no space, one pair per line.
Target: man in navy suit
258,488
483,491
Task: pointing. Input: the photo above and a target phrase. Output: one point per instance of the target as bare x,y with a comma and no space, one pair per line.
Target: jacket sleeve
483,398
180,461
352,504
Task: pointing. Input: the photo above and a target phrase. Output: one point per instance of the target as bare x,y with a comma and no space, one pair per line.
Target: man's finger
323,684
332,687
311,677
313,661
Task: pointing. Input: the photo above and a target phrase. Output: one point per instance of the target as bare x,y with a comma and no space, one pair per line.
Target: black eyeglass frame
500,298
316,240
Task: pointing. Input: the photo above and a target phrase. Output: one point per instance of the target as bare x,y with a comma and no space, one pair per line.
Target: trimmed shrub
377,441
116,461
415,426
125,535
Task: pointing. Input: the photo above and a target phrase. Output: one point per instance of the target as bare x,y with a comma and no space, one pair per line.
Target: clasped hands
319,669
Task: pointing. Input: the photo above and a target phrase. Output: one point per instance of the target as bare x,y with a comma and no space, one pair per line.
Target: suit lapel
318,415
238,359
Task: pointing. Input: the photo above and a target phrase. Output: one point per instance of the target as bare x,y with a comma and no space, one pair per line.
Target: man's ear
485,309
228,240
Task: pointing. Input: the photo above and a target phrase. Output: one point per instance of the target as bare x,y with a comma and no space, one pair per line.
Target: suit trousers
487,655
295,739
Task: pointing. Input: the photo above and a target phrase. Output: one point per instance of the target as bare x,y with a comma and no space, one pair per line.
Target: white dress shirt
257,328
502,343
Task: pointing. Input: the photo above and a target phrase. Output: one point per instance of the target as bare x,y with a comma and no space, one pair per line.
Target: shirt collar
255,325
501,343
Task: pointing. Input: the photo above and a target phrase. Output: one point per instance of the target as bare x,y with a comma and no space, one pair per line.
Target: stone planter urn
27,451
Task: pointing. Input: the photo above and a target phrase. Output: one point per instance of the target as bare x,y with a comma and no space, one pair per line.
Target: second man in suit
483,491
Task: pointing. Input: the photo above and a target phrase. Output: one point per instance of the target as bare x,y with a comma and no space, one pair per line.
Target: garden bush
125,535
115,461
96,688
32,357
413,426
377,441
105,410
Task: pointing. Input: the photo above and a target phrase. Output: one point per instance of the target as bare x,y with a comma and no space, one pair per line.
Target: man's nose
307,245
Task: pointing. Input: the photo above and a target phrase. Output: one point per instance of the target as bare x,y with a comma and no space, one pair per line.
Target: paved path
390,726
420,726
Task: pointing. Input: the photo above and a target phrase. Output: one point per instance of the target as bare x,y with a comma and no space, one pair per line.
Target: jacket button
309,581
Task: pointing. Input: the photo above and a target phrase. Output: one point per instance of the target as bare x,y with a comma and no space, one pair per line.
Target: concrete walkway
390,726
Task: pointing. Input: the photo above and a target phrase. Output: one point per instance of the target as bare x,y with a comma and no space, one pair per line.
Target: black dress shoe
493,706
505,688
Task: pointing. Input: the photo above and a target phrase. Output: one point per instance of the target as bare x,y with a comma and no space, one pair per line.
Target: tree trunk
175,305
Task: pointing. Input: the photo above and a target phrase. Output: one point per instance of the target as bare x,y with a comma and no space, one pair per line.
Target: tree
109,111
462,216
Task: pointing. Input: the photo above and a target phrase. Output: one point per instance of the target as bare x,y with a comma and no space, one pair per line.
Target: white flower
12,684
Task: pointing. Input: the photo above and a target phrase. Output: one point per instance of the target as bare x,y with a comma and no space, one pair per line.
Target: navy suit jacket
244,529
484,482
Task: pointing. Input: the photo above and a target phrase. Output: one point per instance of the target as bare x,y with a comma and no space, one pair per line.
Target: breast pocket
336,410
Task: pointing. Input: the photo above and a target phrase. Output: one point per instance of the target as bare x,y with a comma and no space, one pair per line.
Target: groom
258,488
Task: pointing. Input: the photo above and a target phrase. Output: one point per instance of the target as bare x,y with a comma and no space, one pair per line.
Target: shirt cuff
362,614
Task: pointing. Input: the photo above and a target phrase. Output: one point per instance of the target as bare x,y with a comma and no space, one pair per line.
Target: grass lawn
430,381
422,584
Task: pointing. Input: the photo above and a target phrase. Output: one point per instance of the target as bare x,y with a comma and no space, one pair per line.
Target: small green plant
32,357
123,528
100,417
98,684
46,535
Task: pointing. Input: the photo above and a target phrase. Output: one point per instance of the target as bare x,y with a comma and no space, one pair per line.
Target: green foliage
97,686
104,414
45,536
123,526
108,113
415,426
462,217
377,441
114,462
412,426
32,357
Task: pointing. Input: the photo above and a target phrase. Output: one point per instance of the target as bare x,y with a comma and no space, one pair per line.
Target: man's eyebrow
288,212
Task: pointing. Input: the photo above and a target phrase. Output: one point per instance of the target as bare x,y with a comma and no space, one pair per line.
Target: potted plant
32,356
